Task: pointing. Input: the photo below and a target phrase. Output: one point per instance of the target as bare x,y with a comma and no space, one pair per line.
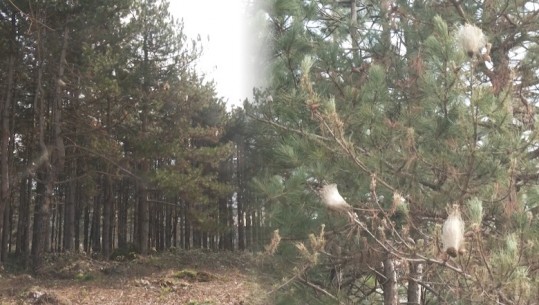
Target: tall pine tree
411,108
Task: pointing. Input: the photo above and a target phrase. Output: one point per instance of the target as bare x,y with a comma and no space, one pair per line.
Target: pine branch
95,153
459,9
283,127
318,288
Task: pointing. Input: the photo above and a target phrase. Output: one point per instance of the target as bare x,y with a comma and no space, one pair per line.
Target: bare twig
318,288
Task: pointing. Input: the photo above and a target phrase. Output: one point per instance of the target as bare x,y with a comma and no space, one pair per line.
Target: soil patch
182,277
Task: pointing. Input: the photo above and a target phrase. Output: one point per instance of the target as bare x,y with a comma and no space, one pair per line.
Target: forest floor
183,277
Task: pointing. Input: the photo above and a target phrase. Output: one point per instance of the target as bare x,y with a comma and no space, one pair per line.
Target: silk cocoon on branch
333,199
453,233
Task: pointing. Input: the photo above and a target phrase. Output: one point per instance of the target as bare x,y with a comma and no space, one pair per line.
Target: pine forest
391,157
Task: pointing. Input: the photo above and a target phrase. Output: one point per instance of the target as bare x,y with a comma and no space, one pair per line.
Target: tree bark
143,216
414,289
186,227
240,194
6,232
168,227
41,206
107,216
389,284
23,221
231,227
69,217
86,228
5,110
122,214
95,235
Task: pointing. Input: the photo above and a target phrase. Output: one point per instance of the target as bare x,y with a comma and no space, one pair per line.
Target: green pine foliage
129,135
382,99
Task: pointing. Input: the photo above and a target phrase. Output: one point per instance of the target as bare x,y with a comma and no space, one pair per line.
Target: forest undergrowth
175,277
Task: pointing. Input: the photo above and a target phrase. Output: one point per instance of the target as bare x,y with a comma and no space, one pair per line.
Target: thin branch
441,263
318,288
283,127
29,16
459,9
123,169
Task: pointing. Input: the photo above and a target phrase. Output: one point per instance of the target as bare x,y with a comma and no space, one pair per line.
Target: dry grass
193,278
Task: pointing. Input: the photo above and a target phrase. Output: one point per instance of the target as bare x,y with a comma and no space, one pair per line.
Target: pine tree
410,108
106,117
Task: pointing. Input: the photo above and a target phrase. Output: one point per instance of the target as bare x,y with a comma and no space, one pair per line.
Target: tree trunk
69,217
389,284
56,229
223,224
196,238
86,229
231,227
95,235
23,222
5,110
41,206
186,227
204,236
240,194
78,216
175,223
6,232
258,231
107,216
122,214
414,289
168,227
143,216
40,236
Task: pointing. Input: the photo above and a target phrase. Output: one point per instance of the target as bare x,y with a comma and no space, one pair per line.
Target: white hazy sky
222,27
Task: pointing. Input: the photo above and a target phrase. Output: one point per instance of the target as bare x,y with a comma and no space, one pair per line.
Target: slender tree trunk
69,225
389,284
248,229
10,229
122,214
143,216
95,235
414,289
162,228
168,234
186,227
41,206
107,216
86,229
144,164
5,111
50,169
23,221
241,192
204,236
231,227
40,236
153,228
175,224
241,226
56,228
80,204
223,224
195,237
52,231
258,228
6,232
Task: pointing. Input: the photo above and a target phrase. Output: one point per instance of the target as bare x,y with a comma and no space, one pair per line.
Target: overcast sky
222,27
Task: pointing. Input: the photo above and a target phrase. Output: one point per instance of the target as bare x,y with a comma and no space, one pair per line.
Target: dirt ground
193,278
